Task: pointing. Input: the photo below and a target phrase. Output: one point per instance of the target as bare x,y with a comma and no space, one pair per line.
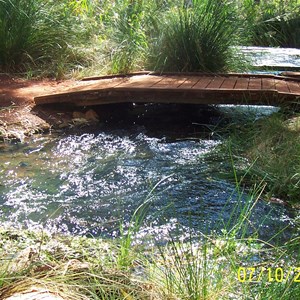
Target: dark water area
89,181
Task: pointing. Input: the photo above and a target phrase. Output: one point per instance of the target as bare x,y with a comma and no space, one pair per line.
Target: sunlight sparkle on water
89,183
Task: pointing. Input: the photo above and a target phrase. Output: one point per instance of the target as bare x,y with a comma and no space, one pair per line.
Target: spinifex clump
196,38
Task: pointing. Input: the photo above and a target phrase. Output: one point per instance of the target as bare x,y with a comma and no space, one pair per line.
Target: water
89,183
279,58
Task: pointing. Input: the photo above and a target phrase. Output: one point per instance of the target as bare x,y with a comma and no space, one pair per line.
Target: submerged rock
91,115
81,118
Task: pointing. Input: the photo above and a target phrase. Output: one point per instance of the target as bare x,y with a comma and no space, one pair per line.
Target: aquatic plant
275,147
125,258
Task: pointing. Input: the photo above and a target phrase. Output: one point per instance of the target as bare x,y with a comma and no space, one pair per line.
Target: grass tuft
196,38
265,151
35,34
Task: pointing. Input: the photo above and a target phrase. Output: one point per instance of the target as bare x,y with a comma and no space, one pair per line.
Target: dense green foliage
55,37
272,23
127,33
36,34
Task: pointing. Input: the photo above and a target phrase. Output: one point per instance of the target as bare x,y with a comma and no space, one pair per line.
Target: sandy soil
18,115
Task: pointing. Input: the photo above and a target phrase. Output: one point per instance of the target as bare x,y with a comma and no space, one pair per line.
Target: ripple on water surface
90,183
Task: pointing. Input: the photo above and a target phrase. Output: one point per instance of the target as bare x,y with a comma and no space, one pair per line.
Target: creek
89,181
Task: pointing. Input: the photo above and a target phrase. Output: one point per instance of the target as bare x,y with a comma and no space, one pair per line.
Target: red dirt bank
17,118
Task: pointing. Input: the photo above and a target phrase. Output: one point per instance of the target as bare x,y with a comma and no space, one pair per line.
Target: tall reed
125,255
207,265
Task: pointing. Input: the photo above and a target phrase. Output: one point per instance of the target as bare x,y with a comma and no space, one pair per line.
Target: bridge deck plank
294,87
216,83
180,88
189,82
255,84
242,84
268,83
282,87
229,83
203,83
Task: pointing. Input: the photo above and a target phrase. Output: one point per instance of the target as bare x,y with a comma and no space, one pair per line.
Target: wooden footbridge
186,88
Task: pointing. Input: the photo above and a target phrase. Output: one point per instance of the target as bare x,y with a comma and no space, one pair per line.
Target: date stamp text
275,274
